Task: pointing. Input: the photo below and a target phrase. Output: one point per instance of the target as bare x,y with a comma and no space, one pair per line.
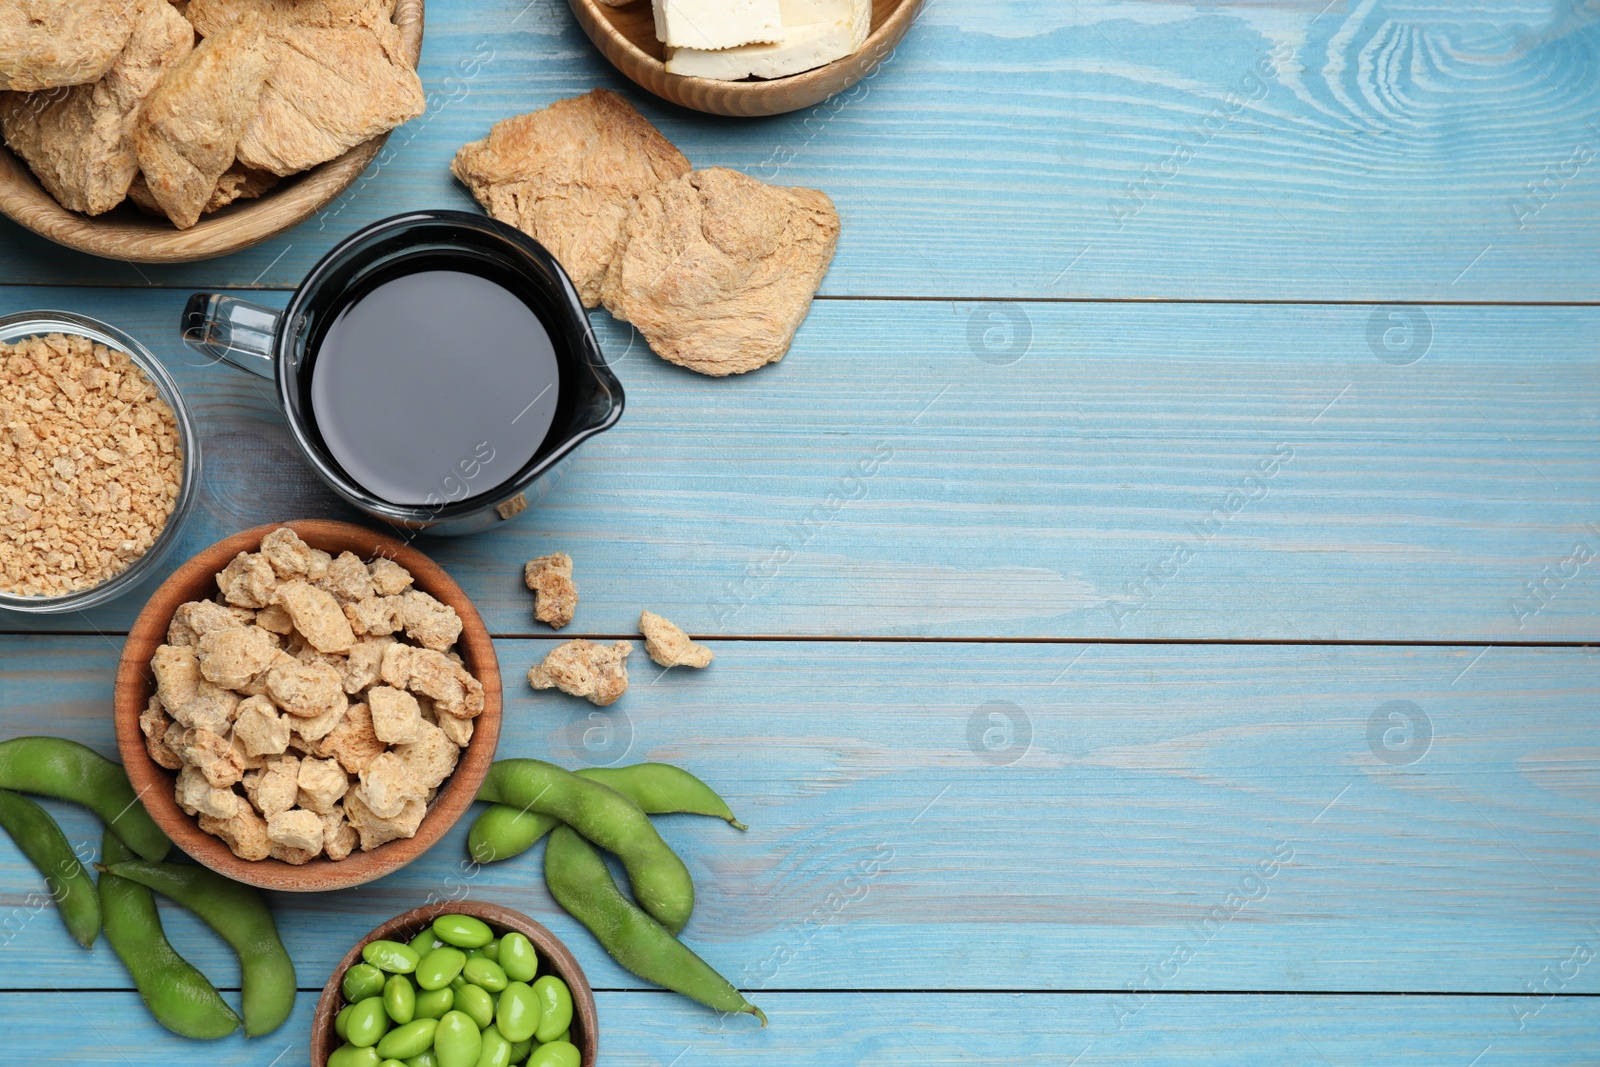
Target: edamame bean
391,1063
351,1056
492,950
177,994
476,954
240,915
390,956
477,1003
56,767
495,1050
341,1022
462,931
659,879
520,1050
424,942
361,981
432,1003
400,999
566,1035
457,982
69,883
485,974
367,1023
555,1008
458,1041
440,967
423,1059
518,958
518,1012
556,1054
582,884
503,831
409,1040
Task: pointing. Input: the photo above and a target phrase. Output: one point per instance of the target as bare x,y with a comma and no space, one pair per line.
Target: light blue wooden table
1202,675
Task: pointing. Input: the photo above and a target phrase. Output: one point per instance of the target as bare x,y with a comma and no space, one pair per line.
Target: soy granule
90,464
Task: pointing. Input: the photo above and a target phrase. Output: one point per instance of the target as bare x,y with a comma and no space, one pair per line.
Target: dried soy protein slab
568,175
717,270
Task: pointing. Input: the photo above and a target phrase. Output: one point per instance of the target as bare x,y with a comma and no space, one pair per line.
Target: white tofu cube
717,24
804,47
804,12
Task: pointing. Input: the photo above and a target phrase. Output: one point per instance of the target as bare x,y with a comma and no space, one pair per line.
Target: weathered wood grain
1403,150
1016,817
886,479
901,1030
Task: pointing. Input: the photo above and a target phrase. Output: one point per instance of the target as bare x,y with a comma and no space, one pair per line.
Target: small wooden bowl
627,37
196,580
126,233
554,958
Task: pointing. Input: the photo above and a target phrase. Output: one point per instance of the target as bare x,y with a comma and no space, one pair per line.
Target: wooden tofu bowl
554,958
126,233
627,37
196,580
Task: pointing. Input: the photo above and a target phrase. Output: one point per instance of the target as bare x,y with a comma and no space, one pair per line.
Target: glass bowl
35,323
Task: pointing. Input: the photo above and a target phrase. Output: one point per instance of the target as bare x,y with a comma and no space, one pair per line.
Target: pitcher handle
232,330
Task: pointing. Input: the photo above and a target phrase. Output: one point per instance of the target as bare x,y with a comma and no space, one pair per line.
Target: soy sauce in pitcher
434,385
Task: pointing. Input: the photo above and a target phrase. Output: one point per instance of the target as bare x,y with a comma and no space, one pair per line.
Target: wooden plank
903,1029
1151,471
1029,817
1110,149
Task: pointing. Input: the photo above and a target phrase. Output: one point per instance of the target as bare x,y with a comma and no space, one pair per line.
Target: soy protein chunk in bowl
91,464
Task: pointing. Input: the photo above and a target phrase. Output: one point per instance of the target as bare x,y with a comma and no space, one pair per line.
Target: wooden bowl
128,234
554,958
627,37
196,580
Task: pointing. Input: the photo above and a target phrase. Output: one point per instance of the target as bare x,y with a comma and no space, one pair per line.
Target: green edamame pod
662,789
503,831
660,881
555,1054
555,1008
47,848
240,915
177,994
582,884
56,767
